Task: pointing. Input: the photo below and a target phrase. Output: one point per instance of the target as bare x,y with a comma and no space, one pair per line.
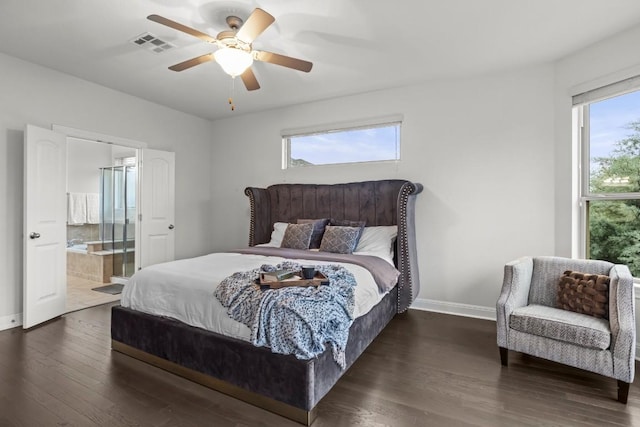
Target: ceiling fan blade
177,26
285,61
249,79
192,62
255,24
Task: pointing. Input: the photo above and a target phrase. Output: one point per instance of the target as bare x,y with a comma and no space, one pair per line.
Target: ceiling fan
235,53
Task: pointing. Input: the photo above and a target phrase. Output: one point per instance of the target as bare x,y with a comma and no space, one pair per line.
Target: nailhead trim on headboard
409,279
252,218
403,246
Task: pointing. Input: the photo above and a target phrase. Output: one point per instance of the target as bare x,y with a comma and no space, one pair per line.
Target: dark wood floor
424,369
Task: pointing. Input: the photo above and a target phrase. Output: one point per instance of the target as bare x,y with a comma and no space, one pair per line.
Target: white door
157,220
45,263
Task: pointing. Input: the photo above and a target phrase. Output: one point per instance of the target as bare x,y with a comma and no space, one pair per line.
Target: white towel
76,208
93,208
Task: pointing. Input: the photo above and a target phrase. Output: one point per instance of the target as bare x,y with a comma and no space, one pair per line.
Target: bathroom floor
80,295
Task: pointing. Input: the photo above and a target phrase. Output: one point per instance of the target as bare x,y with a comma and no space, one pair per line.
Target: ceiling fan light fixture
233,61
235,53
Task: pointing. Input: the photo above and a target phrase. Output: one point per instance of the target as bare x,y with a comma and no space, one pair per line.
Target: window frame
585,196
380,122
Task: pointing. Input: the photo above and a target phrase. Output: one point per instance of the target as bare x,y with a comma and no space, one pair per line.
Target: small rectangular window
371,143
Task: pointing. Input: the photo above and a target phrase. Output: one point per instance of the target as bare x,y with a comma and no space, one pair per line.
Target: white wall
119,151
41,96
482,148
84,160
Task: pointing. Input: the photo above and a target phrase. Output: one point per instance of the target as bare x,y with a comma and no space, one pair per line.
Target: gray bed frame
282,383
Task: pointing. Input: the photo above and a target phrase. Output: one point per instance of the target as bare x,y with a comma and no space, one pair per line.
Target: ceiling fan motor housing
228,39
234,22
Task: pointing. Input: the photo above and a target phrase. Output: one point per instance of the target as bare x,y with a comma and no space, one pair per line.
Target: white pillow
378,241
276,235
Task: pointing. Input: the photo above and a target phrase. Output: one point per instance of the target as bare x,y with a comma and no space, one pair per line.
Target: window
355,144
610,180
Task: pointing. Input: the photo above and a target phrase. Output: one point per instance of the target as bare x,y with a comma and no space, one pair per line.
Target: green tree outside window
614,225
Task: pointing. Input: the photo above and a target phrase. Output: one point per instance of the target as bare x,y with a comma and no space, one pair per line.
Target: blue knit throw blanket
293,320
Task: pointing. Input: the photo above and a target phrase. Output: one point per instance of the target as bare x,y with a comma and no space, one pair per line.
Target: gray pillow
349,223
341,240
318,230
297,236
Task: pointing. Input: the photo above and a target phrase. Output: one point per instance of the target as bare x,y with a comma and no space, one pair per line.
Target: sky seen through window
348,146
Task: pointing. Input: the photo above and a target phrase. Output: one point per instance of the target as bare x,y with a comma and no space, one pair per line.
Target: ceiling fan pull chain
233,85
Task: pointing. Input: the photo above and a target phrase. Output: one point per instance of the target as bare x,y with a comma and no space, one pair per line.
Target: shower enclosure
117,216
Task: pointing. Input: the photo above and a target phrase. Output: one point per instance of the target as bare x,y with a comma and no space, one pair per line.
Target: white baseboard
458,309
487,313
11,321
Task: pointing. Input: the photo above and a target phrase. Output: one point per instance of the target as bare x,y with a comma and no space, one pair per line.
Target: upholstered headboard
385,202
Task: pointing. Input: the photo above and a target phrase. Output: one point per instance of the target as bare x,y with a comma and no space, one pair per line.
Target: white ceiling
356,45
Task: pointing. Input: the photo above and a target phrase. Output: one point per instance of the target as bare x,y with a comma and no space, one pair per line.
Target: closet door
45,233
157,216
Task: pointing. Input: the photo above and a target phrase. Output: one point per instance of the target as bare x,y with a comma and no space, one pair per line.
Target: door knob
171,227
34,235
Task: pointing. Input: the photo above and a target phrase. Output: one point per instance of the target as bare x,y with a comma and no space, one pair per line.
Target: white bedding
183,289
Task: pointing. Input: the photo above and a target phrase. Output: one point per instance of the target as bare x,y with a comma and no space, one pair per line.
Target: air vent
152,43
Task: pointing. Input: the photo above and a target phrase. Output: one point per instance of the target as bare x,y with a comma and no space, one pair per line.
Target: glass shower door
106,209
118,211
129,233
119,219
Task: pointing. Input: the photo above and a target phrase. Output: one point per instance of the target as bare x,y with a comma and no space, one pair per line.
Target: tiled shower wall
84,232
91,233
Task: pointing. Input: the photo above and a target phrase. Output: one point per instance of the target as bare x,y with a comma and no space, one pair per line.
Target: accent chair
532,319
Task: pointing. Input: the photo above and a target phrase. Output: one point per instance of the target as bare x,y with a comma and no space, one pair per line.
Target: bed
283,384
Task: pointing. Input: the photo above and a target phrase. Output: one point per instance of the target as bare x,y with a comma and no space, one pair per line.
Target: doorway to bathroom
45,240
102,195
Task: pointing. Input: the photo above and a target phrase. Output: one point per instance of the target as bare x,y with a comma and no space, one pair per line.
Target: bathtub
79,248
88,261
